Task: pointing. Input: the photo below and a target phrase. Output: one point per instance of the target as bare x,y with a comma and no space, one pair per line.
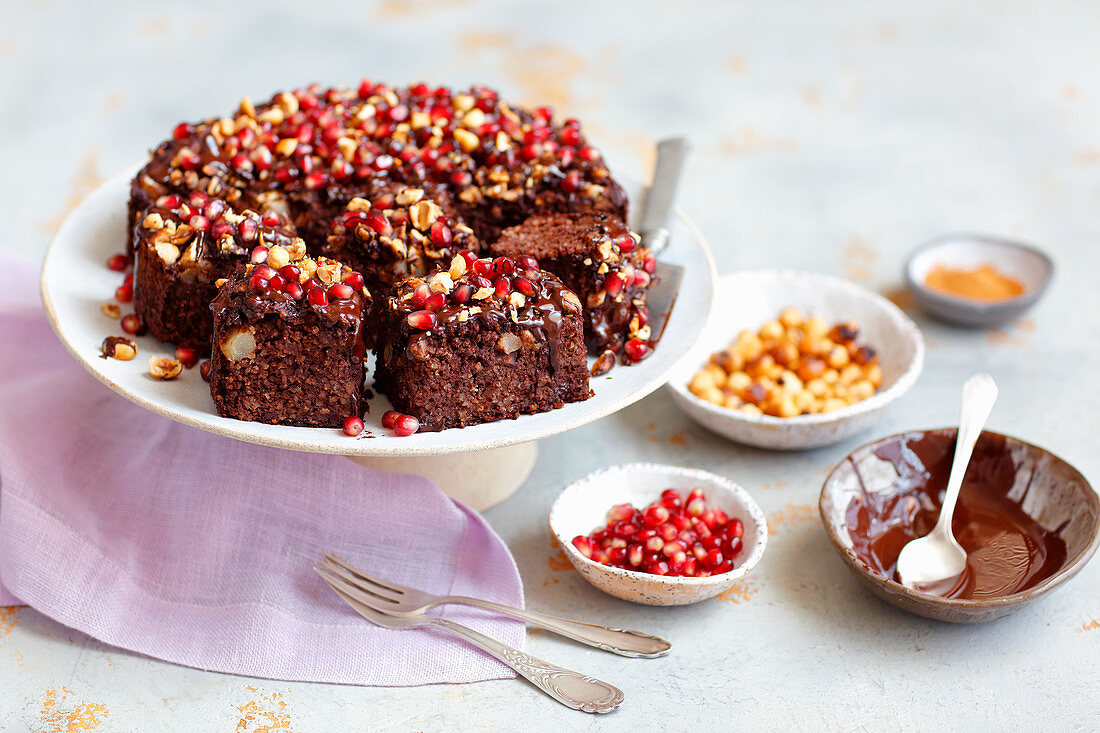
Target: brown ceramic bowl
1046,497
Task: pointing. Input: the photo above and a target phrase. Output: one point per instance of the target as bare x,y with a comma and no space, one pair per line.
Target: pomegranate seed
405,425
698,551
355,280
132,324
314,181
124,293
668,532
441,234
421,294
187,356
657,568
636,350
189,159
734,547
171,201
181,131
626,243
723,568
613,283
713,559
249,230
572,182
435,301
222,228
318,297
589,154
634,554
720,517
423,320
483,267
241,162
204,370
257,282
709,542
199,223
525,286
353,426
388,418
571,136
294,290
649,264
616,555
462,294
502,285
340,291
690,568
290,273
583,545
277,282
655,515
641,279
259,255
118,262
527,262
735,528
654,544
679,521
671,548
377,221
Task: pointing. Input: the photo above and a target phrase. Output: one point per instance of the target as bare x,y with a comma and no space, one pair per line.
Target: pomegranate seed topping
527,262
204,370
249,230
589,154
131,324
257,282
469,256
197,199
187,356
294,290
199,223
421,294
572,182
189,159
462,294
483,267
124,293
352,426
504,265
636,350
118,262
180,131
318,297
377,221
502,285
626,243
435,301
341,291
441,234
525,286
650,263
241,162
277,282
566,157
641,278
613,283
355,280
423,320
405,425
259,255
172,201
570,136
222,228
290,273
314,181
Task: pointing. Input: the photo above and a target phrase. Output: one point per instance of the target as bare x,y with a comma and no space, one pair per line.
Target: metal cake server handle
671,154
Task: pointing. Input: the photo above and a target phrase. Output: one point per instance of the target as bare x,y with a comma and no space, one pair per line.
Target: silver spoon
937,557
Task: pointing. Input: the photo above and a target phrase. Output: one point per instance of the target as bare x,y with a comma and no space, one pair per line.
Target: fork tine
382,582
372,615
336,577
354,580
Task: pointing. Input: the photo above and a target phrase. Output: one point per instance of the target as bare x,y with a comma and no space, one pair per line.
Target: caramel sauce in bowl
1027,520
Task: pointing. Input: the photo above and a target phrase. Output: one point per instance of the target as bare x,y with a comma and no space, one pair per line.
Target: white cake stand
480,465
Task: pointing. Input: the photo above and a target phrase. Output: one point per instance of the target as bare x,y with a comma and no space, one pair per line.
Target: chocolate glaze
1007,550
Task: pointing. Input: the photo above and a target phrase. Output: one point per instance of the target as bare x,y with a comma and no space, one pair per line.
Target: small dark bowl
1030,266
1049,491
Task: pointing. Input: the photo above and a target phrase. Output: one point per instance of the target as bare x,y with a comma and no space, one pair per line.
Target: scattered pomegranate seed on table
118,263
204,370
187,356
671,536
353,426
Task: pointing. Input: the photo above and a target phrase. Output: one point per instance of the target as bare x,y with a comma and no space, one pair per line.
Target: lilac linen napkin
185,546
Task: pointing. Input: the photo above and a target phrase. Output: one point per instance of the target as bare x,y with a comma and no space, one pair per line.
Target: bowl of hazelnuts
793,360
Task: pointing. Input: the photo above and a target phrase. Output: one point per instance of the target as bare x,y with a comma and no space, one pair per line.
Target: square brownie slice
184,246
288,347
598,258
482,341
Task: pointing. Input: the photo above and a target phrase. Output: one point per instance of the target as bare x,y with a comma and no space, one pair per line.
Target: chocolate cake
287,341
598,258
484,340
184,246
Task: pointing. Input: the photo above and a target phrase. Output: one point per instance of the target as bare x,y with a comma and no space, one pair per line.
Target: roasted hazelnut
164,368
117,347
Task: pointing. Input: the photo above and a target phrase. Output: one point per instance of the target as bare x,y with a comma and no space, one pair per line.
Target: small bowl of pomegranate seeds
659,535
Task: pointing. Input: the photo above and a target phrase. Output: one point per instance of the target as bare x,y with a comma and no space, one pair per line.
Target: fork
570,688
401,600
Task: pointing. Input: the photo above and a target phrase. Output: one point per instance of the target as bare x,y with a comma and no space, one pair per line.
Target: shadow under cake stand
480,465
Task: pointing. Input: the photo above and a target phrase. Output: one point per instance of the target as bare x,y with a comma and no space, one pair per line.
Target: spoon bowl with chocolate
1027,520
977,280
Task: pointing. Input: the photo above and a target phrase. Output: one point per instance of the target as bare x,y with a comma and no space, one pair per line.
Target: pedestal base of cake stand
480,480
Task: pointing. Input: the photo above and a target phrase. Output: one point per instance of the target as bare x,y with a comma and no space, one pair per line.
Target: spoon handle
979,394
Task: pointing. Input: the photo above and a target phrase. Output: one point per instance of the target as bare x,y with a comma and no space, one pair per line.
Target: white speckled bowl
747,300
1025,263
582,508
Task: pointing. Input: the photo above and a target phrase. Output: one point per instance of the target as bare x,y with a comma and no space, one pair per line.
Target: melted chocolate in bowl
1008,550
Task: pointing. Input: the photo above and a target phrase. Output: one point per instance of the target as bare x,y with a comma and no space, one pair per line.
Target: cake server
401,600
660,298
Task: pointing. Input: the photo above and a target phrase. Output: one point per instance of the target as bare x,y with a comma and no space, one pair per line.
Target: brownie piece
598,258
184,247
482,341
287,342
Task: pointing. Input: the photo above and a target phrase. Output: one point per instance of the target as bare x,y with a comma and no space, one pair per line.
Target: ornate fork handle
626,642
570,688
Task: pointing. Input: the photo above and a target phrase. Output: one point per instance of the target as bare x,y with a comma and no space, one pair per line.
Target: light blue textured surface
829,136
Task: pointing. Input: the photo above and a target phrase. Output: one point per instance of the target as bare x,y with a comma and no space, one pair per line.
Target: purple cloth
197,549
